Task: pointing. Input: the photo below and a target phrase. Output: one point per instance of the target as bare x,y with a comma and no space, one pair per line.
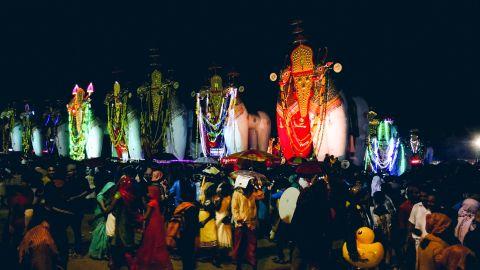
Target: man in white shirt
418,216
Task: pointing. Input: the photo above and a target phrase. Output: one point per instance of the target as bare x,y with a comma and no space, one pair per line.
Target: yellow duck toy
370,254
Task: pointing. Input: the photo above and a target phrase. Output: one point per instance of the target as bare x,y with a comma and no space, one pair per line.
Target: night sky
416,62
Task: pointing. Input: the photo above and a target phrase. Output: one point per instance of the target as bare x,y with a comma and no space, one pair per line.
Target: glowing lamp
476,142
415,161
337,67
90,89
273,76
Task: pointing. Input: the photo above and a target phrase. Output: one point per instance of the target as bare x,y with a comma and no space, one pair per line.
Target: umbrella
259,178
252,155
206,160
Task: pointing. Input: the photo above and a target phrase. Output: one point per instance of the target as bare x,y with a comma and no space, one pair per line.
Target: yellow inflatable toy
371,254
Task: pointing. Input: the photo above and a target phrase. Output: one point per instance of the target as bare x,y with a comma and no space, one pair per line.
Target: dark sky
416,61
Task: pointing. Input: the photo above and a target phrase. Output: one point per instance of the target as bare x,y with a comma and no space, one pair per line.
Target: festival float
311,116
122,125
52,119
162,118
358,129
85,133
244,130
32,137
415,150
385,151
213,106
7,118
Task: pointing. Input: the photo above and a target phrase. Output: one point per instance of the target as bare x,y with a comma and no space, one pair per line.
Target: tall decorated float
10,138
311,116
122,125
52,119
213,106
163,118
416,149
244,130
32,137
85,134
385,151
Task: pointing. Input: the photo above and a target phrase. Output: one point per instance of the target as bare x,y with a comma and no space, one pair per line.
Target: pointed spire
75,88
90,89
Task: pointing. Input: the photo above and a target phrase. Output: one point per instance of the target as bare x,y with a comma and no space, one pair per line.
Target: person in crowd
38,249
59,214
189,211
382,223
20,200
312,244
125,209
466,217
178,187
457,257
46,174
76,190
417,219
357,215
244,214
152,253
401,232
99,245
472,239
208,227
434,242
223,218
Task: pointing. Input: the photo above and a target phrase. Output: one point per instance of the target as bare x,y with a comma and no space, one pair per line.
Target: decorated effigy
52,118
7,118
358,129
80,121
123,125
385,151
32,137
311,118
117,119
213,106
416,148
162,119
244,130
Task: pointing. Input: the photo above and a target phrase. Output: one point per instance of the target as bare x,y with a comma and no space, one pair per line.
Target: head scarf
126,189
437,223
454,257
466,215
104,190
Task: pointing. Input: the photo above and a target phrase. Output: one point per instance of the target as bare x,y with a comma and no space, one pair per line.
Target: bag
176,225
110,225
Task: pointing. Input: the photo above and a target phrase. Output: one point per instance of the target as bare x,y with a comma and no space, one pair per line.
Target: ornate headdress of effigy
302,71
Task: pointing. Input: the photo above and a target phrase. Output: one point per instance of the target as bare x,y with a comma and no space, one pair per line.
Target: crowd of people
143,216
